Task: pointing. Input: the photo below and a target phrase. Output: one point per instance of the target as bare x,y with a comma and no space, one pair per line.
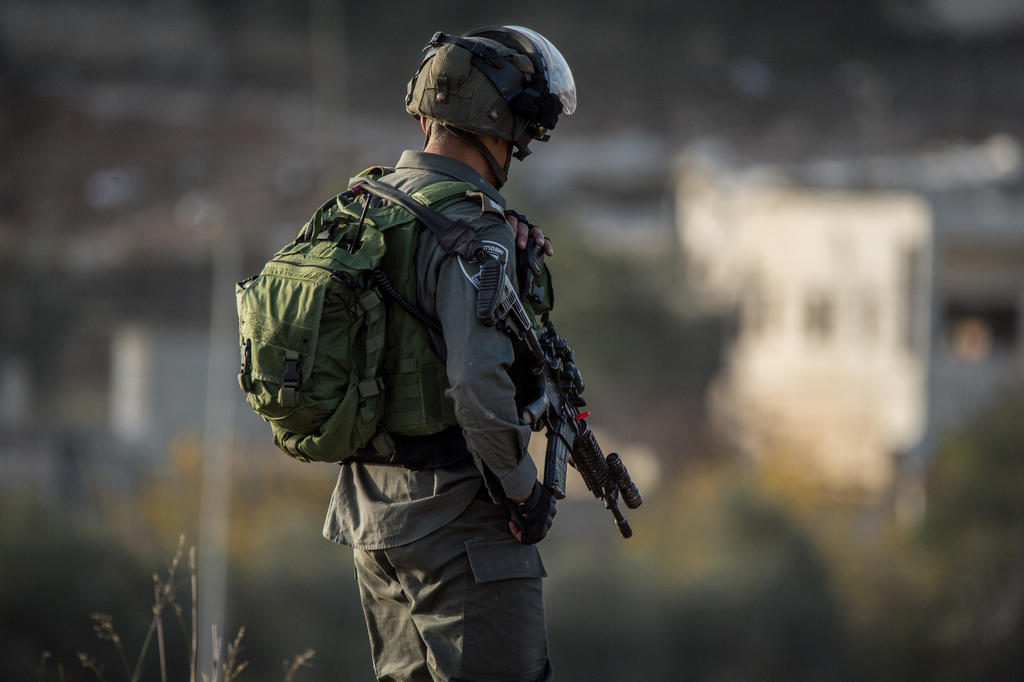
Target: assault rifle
559,394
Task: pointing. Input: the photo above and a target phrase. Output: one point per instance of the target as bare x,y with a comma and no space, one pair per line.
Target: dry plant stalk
89,663
163,592
300,661
42,672
103,628
232,666
215,673
157,587
194,664
103,625
163,596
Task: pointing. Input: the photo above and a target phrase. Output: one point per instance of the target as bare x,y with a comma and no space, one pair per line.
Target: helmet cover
463,83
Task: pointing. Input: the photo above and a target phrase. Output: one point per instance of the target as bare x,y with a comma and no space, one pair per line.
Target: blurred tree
723,586
647,362
975,530
55,573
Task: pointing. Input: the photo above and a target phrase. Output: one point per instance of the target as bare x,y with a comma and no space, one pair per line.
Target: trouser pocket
505,630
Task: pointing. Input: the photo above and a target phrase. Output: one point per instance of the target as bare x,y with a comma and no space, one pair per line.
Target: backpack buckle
288,396
369,300
370,387
383,443
244,378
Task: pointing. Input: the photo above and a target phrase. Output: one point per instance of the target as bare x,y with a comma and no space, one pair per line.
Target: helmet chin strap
500,170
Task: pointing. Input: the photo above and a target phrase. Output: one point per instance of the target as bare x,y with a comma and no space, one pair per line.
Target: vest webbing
414,377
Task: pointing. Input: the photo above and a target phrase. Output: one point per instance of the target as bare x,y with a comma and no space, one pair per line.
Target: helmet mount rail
485,52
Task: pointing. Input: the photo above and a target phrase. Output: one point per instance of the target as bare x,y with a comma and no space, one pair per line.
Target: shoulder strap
454,236
440,192
373,172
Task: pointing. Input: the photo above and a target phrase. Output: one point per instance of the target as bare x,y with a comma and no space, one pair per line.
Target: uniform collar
437,163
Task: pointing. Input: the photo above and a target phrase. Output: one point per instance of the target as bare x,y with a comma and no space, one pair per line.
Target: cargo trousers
463,603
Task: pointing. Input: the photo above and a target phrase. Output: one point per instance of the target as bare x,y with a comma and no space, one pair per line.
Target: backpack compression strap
454,236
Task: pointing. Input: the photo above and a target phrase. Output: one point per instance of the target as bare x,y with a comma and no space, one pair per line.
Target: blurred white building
878,301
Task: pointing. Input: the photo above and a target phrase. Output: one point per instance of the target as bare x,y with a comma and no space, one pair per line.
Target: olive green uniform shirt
380,507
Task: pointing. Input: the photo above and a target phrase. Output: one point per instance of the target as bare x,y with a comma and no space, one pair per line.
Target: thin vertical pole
218,440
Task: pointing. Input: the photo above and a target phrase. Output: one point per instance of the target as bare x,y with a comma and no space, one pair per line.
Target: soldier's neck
460,151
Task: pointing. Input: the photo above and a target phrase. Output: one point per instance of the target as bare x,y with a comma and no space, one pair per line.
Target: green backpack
312,323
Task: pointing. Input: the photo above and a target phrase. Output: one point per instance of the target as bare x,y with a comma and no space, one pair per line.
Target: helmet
507,82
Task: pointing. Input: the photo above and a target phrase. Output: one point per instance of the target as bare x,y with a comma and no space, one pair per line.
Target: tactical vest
415,378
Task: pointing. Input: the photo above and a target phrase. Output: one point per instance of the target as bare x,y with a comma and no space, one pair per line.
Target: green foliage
725,586
56,571
646,360
297,591
72,574
975,531
619,309
726,578
977,482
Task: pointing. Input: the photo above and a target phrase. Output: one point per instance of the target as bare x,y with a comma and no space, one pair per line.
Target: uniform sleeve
477,360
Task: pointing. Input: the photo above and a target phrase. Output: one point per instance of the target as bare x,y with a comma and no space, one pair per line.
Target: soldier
444,533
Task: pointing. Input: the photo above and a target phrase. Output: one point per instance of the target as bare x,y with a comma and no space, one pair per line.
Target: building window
819,314
758,309
976,329
913,322
868,305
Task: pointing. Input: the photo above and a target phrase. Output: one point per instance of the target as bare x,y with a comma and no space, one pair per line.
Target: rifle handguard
630,493
606,478
589,461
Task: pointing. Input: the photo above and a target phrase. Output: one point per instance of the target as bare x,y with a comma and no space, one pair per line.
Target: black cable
408,306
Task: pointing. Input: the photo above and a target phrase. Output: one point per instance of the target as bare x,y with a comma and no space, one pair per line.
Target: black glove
534,516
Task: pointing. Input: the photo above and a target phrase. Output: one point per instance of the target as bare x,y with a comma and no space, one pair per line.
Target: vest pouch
279,315
351,343
352,424
416,403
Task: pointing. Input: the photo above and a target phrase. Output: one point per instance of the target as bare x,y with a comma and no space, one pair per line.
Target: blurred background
789,255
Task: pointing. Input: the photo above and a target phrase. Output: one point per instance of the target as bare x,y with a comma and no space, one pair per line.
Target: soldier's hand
523,228
532,518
